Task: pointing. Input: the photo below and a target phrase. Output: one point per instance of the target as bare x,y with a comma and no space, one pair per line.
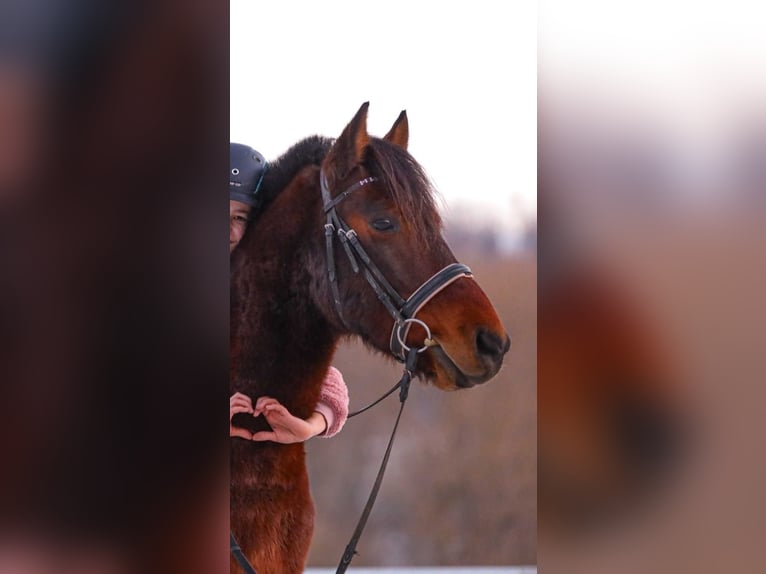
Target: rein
404,387
242,560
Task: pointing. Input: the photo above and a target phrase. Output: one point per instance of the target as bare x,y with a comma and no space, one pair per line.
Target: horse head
393,279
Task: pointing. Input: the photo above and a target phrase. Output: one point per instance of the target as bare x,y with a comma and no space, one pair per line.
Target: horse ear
348,150
399,134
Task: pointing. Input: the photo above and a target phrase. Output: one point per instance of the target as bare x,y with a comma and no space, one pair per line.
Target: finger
264,436
275,412
240,403
239,409
240,399
263,401
240,432
245,406
260,404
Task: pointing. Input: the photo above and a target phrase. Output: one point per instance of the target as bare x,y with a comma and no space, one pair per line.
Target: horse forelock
408,184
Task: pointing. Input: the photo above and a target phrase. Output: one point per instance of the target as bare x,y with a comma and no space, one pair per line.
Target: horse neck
282,343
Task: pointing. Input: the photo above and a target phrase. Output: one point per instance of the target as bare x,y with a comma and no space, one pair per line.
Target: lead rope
404,387
372,404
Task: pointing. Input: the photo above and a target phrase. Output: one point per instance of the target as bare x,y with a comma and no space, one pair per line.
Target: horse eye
383,224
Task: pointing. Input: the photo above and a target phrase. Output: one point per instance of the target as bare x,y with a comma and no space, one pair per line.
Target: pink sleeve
333,402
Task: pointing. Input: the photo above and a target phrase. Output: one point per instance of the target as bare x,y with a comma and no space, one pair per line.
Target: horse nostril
488,343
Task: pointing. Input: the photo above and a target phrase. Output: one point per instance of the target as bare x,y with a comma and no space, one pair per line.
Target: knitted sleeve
333,402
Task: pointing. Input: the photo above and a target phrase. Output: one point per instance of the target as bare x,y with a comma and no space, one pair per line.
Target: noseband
402,310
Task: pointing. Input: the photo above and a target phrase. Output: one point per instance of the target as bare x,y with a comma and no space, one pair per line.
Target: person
247,168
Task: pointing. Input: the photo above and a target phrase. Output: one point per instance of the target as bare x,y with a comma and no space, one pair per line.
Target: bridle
402,310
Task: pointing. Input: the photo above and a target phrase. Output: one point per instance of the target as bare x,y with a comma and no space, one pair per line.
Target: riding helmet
246,170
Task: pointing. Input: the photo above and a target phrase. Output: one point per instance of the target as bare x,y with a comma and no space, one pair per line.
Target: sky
465,72
696,67
685,75
661,48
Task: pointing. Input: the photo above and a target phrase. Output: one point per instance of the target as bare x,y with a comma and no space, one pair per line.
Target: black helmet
246,170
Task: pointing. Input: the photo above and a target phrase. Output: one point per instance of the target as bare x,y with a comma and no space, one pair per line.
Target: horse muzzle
450,367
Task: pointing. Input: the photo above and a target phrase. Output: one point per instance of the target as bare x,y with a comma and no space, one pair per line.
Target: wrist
317,422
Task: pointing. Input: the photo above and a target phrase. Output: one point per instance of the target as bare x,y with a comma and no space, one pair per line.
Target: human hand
239,403
286,428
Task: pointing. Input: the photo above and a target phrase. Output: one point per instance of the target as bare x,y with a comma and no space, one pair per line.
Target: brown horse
348,232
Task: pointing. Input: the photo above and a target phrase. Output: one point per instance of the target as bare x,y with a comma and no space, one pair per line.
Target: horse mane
309,151
408,183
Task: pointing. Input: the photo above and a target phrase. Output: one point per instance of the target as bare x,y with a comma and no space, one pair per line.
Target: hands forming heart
286,428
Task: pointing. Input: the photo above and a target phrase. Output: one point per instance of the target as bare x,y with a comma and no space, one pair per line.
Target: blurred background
113,286
652,152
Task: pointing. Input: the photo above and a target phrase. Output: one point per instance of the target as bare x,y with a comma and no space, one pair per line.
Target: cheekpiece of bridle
402,310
